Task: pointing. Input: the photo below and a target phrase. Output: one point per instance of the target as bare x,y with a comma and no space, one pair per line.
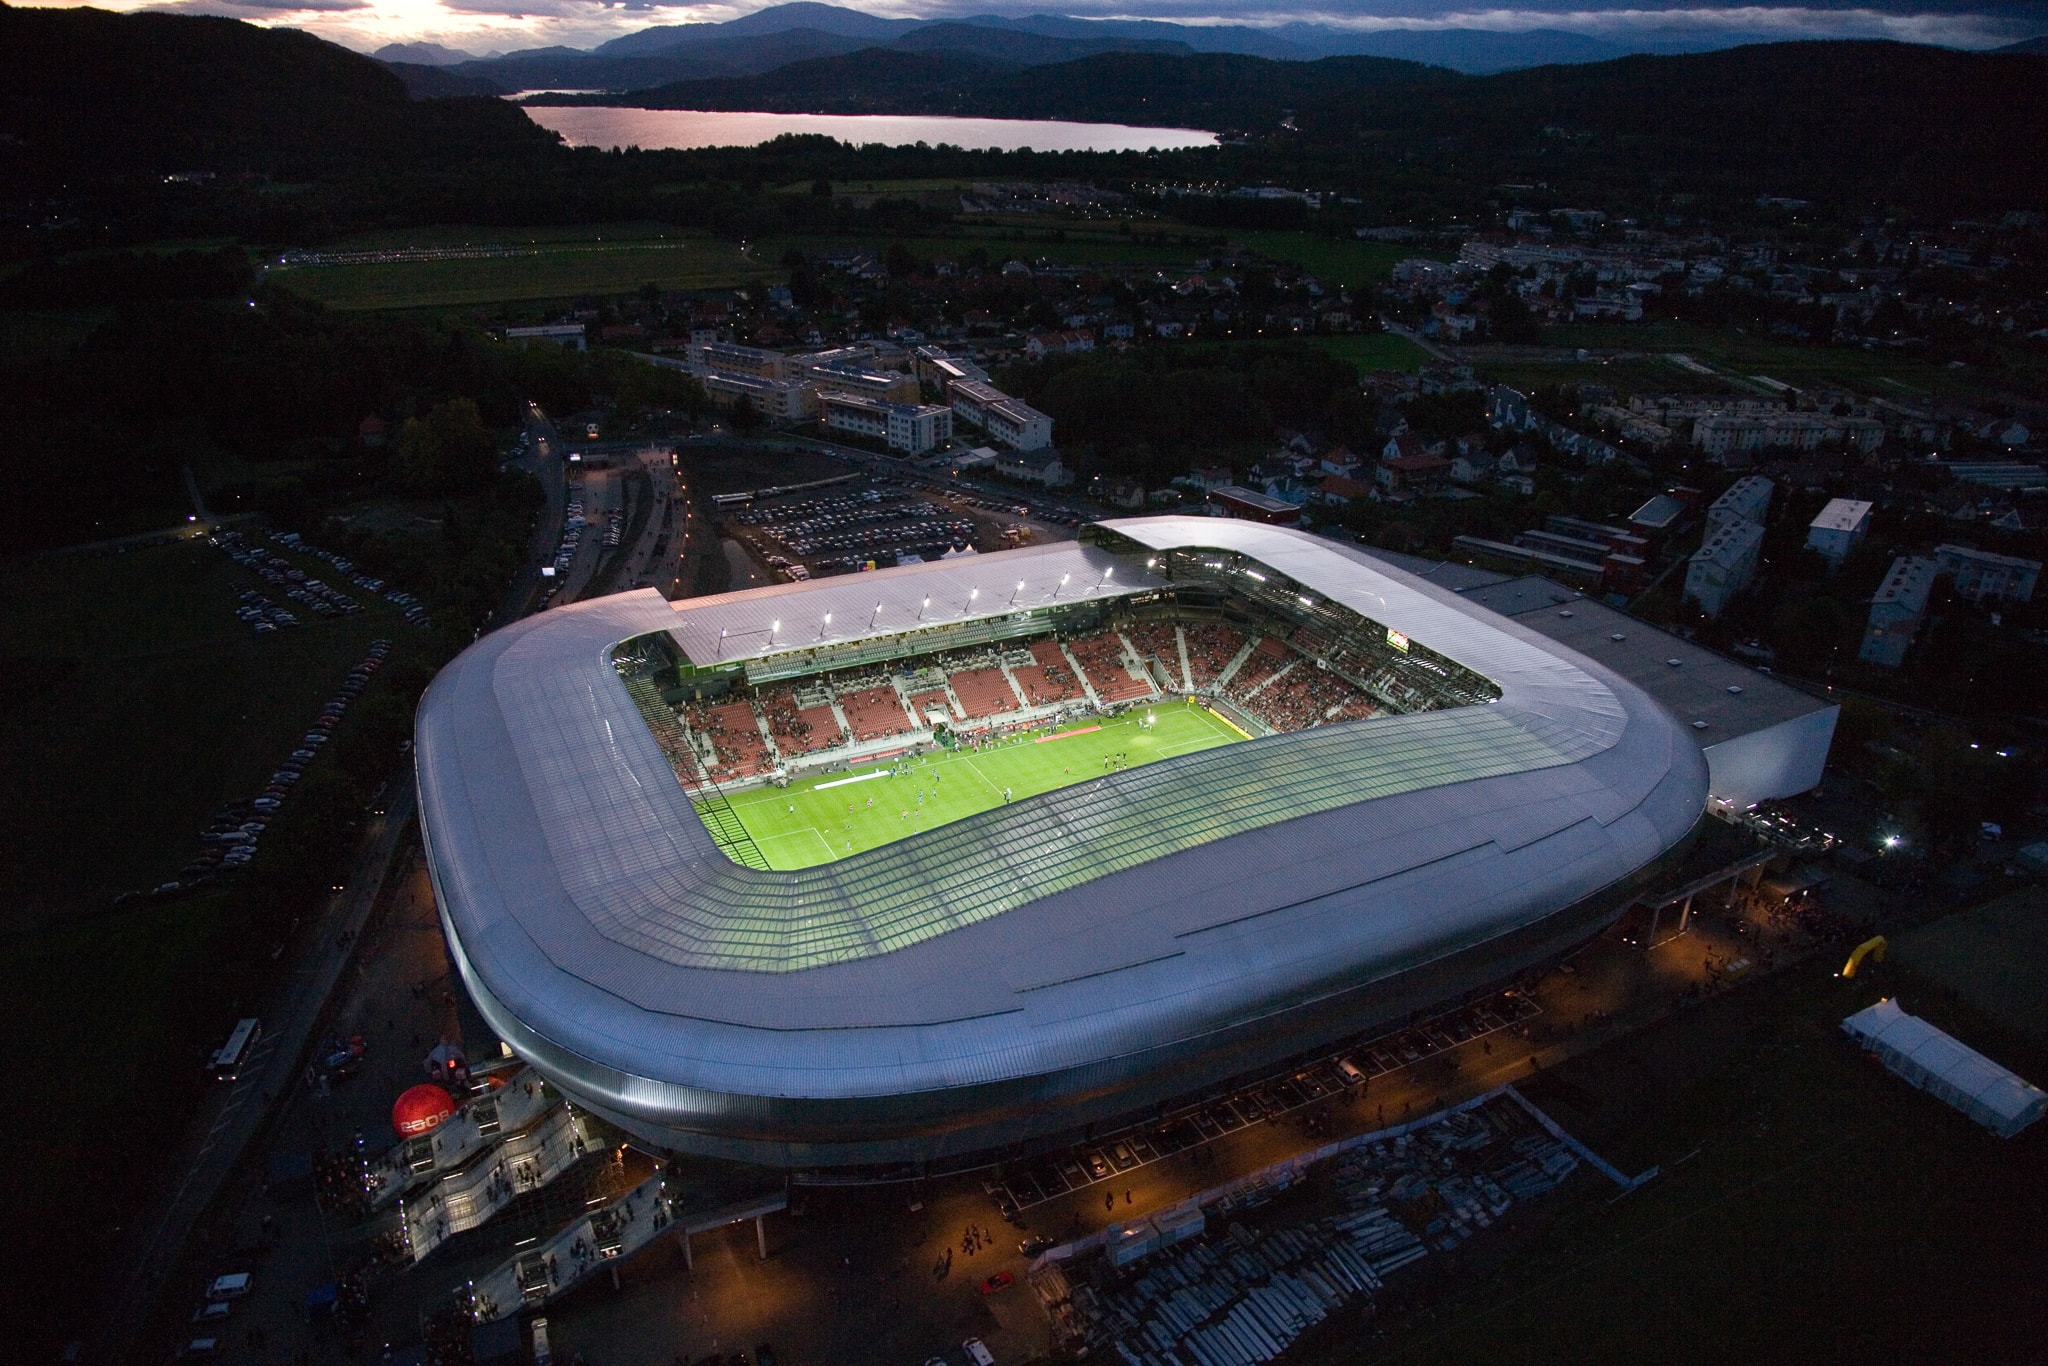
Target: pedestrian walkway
494,1177
485,1122
601,1238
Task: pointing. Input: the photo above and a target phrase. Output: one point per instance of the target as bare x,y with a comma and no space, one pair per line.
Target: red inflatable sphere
421,1110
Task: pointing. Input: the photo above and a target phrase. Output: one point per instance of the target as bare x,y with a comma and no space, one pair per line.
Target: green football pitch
834,815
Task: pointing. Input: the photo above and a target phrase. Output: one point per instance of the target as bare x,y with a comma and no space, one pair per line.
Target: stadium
957,857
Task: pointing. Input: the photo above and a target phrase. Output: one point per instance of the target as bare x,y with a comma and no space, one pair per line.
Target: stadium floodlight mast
773,627
1063,584
922,610
1013,595
874,616
823,625
972,594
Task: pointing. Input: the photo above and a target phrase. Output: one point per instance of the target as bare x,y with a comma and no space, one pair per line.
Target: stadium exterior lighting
921,610
874,616
824,625
972,594
1019,589
773,627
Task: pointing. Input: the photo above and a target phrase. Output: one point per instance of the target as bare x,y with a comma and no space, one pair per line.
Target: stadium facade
1047,965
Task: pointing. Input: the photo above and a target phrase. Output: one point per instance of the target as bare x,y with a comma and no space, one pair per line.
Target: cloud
261,10
1644,25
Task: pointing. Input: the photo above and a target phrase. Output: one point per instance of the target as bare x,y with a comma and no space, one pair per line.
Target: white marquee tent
2001,1101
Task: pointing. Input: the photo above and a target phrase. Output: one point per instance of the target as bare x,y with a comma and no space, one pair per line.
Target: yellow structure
1872,948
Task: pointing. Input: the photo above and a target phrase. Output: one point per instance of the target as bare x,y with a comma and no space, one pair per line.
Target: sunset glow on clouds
506,25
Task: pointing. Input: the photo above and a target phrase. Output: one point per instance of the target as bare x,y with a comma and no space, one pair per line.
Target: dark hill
87,92
1873,122
1201,90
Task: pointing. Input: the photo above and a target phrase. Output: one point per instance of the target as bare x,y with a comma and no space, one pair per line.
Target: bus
228,1060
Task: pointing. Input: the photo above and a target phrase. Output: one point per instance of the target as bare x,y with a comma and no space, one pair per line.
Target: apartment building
1837,529
1984,577
1726,435
1897,611
1010,421
907,427
887,386
1748,499
775,399
1724,565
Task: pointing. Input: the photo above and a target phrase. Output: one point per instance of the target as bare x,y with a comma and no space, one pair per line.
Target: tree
447,451
745,416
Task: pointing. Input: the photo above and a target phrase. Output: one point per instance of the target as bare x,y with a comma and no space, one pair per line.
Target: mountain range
91,98
775,37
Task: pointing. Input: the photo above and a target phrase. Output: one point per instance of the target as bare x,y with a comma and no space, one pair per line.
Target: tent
1907,1045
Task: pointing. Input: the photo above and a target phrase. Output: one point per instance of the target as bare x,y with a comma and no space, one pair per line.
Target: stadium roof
791,617
1693,682
605,935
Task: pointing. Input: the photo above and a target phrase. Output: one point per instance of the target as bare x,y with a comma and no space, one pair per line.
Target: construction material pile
1245,1293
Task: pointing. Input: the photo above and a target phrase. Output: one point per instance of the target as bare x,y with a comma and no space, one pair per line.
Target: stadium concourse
1381,798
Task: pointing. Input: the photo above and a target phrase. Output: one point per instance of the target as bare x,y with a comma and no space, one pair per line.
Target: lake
606,126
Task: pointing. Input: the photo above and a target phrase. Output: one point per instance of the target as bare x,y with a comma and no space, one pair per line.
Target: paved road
230,1122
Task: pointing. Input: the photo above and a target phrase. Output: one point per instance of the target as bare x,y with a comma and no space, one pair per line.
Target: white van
229,1287
977,1352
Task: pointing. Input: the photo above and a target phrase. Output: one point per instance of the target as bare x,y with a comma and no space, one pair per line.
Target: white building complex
907,427
1094,951
1722,435
1010,421
779,400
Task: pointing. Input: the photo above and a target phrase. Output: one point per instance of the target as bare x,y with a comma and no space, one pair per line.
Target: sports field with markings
835,815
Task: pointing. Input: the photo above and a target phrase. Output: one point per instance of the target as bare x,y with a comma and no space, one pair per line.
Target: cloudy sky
487,25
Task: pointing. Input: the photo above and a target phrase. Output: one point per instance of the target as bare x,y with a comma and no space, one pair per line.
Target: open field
567,263
1736,356
545,270
1810,1207
835,815
1335,261
31,338
1374,351
477,235
136,706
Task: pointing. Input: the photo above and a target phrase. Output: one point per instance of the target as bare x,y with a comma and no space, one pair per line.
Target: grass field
617,258
1374,351
836,815
551,269
1736,356
136,704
